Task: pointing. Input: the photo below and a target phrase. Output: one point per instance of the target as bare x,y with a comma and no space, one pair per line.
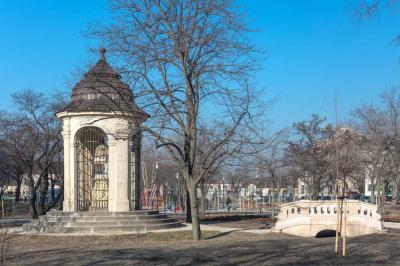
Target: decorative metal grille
92,164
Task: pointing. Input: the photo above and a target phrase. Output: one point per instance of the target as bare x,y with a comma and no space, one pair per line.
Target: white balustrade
305,217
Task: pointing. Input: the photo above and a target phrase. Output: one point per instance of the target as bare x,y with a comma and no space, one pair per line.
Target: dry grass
178,248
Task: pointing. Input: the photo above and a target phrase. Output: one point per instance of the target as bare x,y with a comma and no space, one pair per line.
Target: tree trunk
32,205
202,200
18,189
188,208
395,193
379,196
53,192
53,203
43,193
315,193
272,199
373,198
61,201
273,203
194,212
32,196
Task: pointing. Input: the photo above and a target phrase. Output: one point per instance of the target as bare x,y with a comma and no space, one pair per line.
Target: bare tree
188,61
4,178
11,167
270,162
368,9
379,126
391,105
309,155
32,138
272,165
346,166
221,146
371,123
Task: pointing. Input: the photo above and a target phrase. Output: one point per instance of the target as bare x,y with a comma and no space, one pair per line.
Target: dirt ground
218,249
392,215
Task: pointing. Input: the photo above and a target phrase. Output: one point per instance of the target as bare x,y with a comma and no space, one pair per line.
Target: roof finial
102,51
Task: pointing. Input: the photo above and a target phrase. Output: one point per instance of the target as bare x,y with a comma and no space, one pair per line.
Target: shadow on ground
231,248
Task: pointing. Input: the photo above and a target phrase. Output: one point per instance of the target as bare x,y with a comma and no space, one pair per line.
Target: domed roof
102,90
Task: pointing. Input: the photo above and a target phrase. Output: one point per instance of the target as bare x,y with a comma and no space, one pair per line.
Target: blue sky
316,49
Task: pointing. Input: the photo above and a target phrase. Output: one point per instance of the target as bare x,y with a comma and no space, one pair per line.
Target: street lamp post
165,196
177,191
156,164
218,195
223,193
257,189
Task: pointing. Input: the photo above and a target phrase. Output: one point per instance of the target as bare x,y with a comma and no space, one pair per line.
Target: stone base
310,227
100,222
118,206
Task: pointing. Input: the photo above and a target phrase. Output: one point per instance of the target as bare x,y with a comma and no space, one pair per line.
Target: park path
221,229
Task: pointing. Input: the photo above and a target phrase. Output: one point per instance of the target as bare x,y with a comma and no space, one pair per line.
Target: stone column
69,204
118,174
111,172
67,198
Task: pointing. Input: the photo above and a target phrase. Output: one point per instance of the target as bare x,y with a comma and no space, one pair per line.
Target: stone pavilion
101,143
102,161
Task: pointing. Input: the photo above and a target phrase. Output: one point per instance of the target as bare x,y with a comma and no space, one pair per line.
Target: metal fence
13,209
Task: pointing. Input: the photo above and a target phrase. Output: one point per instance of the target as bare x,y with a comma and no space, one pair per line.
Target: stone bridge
307,218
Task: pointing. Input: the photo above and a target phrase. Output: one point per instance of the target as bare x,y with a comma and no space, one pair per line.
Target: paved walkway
224,229
187,227
14,221
391,225
221,229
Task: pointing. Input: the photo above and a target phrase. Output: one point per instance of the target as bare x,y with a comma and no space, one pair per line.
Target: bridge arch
326,233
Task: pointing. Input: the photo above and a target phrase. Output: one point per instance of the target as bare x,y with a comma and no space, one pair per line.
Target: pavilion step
110,223
102,218
101,222
101,213
110,229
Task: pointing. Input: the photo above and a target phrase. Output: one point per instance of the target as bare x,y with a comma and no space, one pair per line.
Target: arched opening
92,169
326,233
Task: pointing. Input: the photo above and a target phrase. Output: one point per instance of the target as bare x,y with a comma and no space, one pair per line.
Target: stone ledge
100,222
